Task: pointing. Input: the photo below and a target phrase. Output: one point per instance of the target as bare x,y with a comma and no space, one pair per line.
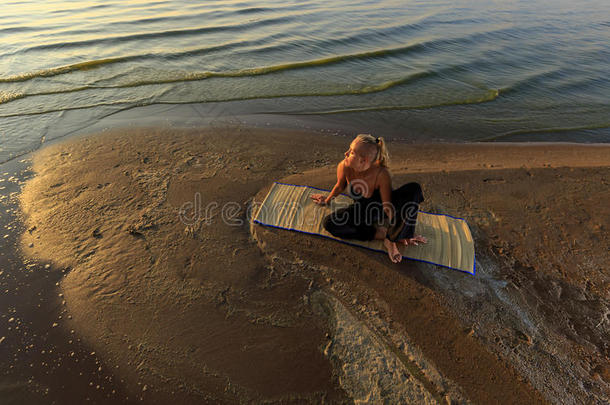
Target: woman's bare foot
416,240
392,250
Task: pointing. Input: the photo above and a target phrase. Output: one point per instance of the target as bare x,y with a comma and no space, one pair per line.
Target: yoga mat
289,206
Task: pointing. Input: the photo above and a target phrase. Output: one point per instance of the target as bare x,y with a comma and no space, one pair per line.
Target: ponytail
381,151
382,155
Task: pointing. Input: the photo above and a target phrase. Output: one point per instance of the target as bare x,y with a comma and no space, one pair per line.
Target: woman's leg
349,223
406,200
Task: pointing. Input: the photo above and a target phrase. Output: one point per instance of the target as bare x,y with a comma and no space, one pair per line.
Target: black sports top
376,196
358,198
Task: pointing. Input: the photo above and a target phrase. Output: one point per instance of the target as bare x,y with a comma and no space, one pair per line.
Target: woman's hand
318,199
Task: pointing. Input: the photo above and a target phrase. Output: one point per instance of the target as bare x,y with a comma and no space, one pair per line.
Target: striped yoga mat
289,206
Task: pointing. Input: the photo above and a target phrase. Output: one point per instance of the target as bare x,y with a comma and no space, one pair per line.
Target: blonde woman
378,212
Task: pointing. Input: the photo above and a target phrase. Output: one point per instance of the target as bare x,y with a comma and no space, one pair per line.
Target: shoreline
31,304
198,115
250,163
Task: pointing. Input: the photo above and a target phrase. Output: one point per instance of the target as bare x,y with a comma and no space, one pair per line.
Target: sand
175,290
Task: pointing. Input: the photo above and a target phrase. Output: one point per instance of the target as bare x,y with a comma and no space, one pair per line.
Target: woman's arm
385,189
340,185
337,189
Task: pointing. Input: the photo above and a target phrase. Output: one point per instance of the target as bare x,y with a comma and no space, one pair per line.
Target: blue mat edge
474,267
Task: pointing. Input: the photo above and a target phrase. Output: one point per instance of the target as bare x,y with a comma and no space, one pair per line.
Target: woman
378,212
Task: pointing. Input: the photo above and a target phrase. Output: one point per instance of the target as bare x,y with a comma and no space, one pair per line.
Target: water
415,70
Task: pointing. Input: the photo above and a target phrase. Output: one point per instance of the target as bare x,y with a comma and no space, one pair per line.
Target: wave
547,130
205,75
491,95
533,81
21,29
120,39
365,37
325,44
321,44
250,72
60,70
596,82
349,92
119,25
7,97
61,110
100,62
197,76
10,96
259,71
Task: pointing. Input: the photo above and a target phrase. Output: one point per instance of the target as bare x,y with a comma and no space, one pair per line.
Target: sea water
431,70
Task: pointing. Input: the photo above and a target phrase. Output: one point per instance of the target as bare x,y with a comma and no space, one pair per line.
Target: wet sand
41,363
199,305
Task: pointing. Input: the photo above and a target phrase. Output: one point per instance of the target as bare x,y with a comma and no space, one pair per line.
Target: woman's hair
376,145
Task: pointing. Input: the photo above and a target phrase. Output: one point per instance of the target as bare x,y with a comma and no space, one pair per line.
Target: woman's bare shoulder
342,171
384,176
343,167
384,172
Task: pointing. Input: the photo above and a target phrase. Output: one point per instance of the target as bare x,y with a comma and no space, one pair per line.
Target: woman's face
356,158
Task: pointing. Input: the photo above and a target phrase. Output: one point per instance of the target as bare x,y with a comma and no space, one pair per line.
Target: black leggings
360,220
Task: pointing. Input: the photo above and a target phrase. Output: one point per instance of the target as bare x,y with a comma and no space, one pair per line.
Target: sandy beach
163,276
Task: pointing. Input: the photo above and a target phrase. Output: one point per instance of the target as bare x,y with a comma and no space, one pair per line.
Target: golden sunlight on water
419,71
